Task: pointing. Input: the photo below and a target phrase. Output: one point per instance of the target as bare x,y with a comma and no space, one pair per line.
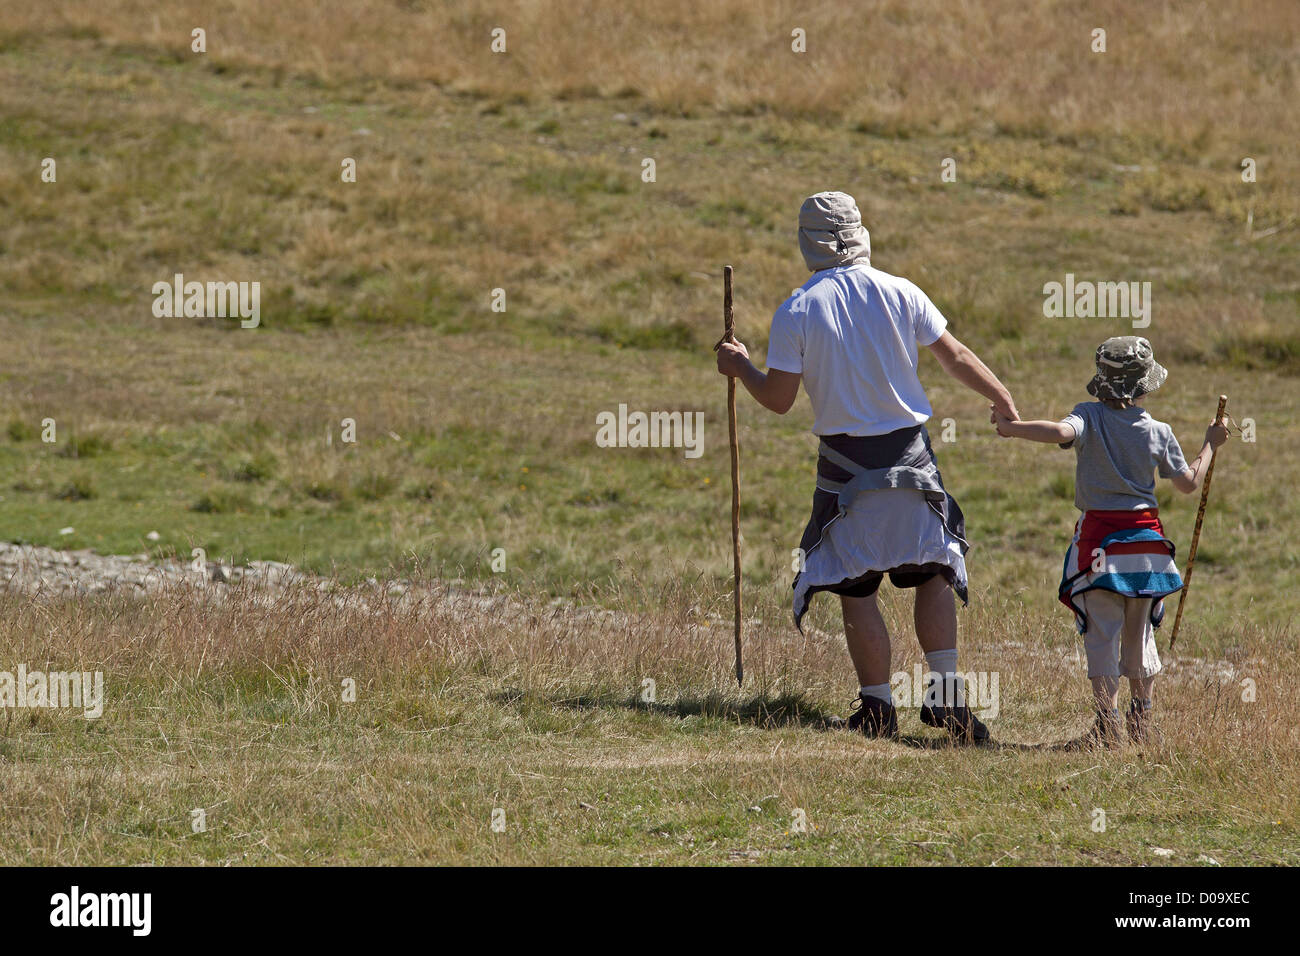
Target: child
1120,565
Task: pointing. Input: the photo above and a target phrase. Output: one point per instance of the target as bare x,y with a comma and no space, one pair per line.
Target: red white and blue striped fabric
1121,551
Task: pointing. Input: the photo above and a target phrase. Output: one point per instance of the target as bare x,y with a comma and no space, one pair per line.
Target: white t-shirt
853,332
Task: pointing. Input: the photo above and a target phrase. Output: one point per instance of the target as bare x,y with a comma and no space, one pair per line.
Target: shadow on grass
785,710
763,711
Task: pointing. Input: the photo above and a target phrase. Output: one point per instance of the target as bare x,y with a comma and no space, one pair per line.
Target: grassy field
237,710
475,429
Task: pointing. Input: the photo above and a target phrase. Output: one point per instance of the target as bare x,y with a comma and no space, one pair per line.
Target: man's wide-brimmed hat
1126,369
831,232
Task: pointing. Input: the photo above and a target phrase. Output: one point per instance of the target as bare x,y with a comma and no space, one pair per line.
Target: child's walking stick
1196,532
730,336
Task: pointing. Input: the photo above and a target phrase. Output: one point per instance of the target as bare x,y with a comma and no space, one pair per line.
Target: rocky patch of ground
49,572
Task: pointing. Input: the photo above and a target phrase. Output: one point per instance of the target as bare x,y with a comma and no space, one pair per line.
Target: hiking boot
1102,735
873,717
1138,720
962,725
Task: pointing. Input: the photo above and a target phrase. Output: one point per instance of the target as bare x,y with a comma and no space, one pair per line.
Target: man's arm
965,366
775,390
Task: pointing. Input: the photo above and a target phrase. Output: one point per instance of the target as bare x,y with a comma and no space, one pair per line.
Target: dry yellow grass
517,170
1181,71
235,707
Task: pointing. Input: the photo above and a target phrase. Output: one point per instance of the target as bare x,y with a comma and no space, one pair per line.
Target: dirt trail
51,573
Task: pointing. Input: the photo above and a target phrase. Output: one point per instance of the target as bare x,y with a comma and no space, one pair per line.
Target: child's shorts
1109,655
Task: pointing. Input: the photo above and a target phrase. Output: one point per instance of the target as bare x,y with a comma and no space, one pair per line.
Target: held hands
733,357
1001,417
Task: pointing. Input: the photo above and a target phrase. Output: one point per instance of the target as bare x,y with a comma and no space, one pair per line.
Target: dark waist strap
906,446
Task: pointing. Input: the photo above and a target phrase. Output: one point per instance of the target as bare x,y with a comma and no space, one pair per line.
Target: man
851,335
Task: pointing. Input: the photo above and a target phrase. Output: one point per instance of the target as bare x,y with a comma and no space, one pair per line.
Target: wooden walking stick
1196,531
730,336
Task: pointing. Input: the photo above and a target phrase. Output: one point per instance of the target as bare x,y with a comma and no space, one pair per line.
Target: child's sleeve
1169,455
1076,421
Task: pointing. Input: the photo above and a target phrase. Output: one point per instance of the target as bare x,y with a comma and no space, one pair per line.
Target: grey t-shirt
1117,452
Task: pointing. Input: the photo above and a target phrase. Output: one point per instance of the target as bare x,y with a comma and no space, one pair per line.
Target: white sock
953,690
878,691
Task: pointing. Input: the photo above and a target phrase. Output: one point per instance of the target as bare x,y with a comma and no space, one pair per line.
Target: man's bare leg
935,615
868,639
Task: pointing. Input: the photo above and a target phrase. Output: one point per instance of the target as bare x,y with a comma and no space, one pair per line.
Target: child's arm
1053,433
1190,478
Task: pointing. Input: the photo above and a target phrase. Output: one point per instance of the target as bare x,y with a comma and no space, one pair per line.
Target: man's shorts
903,576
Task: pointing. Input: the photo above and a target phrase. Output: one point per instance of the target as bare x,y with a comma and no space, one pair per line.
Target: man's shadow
764,711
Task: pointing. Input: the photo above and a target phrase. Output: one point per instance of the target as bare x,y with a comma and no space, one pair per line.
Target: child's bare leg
1105,693
1140,688
1105,613
1139,662
1101,641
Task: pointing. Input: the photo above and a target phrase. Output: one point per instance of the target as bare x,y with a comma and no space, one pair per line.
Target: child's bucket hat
1126,369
